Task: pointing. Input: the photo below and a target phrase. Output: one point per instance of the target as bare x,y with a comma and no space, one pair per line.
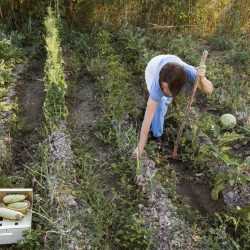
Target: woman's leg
159,116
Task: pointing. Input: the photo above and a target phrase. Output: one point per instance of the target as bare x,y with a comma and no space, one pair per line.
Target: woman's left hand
201,70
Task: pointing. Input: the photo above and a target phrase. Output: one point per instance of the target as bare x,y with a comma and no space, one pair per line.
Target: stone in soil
237,195
60,145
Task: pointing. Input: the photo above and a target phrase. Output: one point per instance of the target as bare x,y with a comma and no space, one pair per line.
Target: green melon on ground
228,121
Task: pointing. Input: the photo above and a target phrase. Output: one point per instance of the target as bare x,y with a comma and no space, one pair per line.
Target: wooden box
12,231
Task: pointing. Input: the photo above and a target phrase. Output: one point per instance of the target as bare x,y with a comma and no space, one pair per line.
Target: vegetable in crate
10,214
12,198
21,206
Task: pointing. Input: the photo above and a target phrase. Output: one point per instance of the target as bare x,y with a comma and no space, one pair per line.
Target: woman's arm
148,117
205,85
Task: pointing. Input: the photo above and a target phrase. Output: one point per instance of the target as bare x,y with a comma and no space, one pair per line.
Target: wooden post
187,111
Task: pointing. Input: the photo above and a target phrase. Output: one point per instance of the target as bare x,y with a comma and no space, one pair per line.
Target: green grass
55,86
115,224
10,56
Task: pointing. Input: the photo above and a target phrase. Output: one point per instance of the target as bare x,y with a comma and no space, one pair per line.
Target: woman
165,76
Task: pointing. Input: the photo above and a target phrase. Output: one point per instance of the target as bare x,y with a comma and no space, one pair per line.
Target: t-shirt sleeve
154,96
191,73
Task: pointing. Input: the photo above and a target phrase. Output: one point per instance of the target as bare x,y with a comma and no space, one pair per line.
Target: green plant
220,42
112,78
127,229
131,44
234,175
8,52
217,238
32,240
185,47
10,56
238,58
132,233
55,86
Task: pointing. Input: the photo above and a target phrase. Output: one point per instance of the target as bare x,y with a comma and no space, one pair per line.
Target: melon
10,214
21,206
228,121
12,198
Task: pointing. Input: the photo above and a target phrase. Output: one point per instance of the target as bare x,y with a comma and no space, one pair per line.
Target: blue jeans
157,124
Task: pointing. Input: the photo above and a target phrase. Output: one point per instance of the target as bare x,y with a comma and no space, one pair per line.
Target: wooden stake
188,108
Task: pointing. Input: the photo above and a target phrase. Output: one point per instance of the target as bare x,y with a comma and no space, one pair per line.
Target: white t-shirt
152,73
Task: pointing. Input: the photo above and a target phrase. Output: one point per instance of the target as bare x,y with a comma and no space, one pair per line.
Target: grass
115,218
54,154
10,56
54,104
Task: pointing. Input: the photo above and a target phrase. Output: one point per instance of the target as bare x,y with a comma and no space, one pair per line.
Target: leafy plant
220,42
55,86
32,240
217,238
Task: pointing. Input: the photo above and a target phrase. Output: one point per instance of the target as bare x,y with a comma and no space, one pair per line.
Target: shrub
220,43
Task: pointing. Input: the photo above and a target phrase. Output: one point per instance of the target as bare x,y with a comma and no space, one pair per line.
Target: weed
31,240
127,228
217,238
10,55
55,87
185,47
112,78
220,43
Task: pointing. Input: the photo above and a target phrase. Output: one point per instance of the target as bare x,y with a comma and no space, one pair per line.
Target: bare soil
30,96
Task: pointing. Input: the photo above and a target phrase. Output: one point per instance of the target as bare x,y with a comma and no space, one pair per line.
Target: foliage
233,222
127,227
112,78
238,57
185,47
217,238
204,142
10,56
32,240
55,86
8,52
211,149
220,43
132,44
186,16
112,217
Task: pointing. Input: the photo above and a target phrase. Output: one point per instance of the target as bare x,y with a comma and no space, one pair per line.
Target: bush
220,43
185,47
238,58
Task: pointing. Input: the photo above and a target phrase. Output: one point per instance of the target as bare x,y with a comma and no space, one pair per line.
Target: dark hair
173,74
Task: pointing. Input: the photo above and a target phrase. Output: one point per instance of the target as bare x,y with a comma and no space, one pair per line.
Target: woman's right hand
137,154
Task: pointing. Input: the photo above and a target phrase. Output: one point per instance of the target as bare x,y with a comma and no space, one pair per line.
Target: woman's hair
173,74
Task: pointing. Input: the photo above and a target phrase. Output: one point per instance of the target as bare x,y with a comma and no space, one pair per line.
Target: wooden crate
12,231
